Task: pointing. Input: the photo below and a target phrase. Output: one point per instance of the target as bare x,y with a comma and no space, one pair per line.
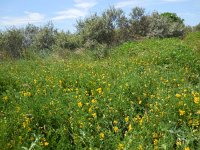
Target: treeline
109,28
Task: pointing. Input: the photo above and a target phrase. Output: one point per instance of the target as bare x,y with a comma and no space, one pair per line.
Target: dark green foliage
165,26
30,33
172,17
117,24
94,28
139,22
68,41
19,43
13,42
46,37
109,28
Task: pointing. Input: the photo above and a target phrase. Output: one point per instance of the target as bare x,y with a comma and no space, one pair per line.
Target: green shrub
13,42
29,33
165,25
109,28
46,37
139,22
68,41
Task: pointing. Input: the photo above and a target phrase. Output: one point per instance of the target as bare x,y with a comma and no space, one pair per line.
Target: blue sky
64,13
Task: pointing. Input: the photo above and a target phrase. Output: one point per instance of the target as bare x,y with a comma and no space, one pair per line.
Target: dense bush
18,42
29,33
46,37
116,24
108,28
139,22
163,25
172,17
94,28
68,41
13,42
112,26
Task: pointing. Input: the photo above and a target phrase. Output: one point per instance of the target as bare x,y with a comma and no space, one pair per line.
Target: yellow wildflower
130,127
178,143
127,119
178,95
140,102
94,115
99,90
46,143
116,129
60,82
94,100
195,122
26,94
81,125
101,135
115,122
187,148
198,112
120,146
181,112
35,81
196,99
80,104
140,147
190,122
155,135
5,98
26,122
90,110
155,141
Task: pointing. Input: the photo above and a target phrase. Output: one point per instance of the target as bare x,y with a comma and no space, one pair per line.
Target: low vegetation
141,95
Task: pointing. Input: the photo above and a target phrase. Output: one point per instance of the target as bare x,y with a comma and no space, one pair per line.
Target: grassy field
142,96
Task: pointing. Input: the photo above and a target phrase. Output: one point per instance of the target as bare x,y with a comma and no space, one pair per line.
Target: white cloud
130,3
85,5
80,9
69,14
29,17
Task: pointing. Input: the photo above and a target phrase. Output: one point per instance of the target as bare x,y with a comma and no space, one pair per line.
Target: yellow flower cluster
101,135
5,98
181,112
25,93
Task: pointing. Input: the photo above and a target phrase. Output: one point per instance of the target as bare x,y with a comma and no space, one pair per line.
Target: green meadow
141,95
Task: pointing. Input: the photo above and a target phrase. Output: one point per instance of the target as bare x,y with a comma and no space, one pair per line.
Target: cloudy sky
64,13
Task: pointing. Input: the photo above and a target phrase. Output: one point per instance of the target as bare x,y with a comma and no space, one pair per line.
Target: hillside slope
144,95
